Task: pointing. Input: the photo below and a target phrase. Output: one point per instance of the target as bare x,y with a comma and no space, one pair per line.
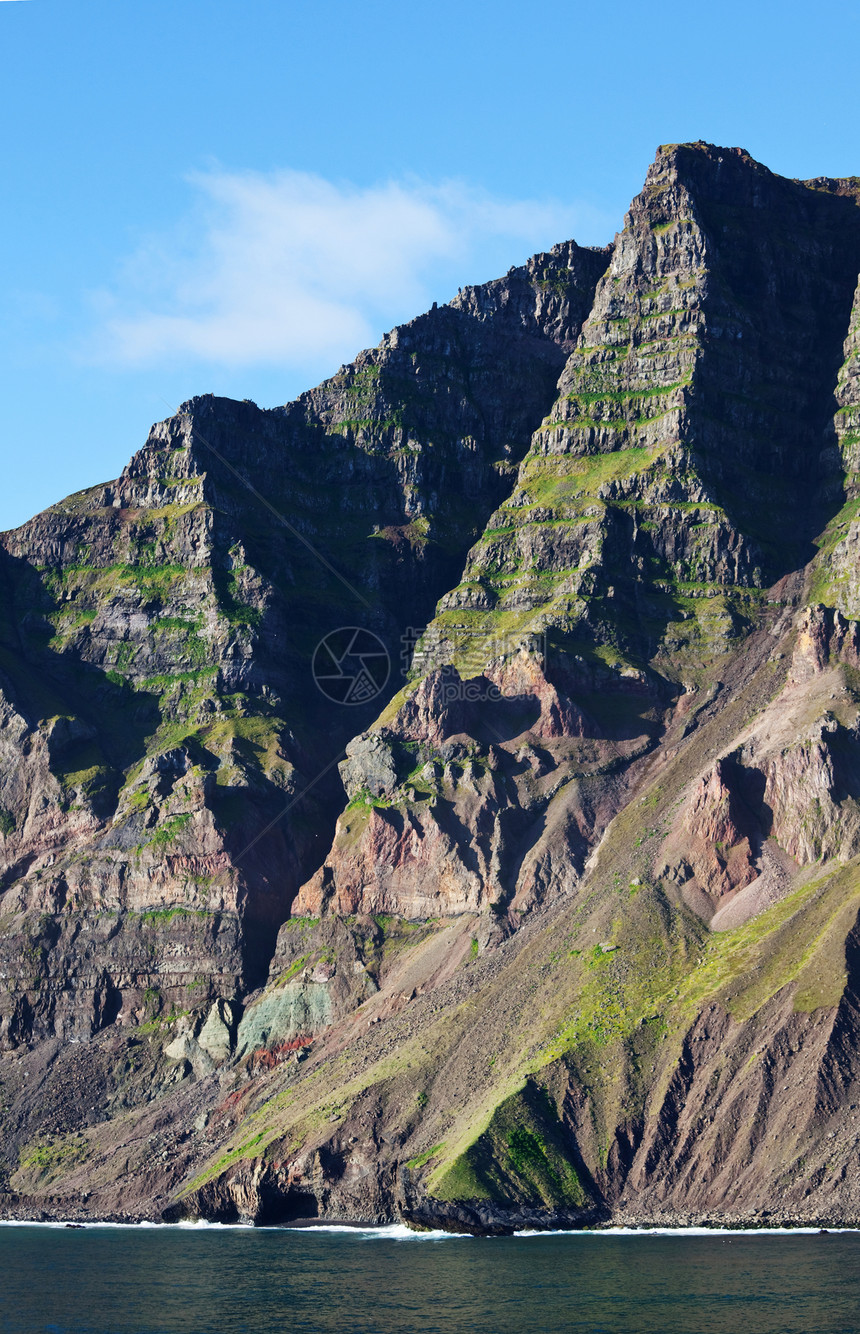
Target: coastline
417,1217
401,1232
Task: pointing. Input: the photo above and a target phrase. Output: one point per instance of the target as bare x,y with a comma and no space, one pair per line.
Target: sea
204,1279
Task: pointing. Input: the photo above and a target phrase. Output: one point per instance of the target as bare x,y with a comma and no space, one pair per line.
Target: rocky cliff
439,797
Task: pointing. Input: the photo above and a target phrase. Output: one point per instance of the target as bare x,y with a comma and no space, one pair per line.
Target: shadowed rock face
558,925
158,635
643,527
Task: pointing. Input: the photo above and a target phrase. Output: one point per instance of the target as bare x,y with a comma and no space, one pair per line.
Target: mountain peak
463,755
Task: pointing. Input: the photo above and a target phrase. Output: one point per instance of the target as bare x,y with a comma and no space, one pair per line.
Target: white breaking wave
400,1232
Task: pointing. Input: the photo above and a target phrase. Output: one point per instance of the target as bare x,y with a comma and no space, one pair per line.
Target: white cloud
287,268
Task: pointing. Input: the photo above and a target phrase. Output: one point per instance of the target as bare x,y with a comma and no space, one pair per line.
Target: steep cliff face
684,467
158,641
558,923
785,796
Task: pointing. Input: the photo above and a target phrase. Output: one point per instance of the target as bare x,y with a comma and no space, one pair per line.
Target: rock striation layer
553,922
158,637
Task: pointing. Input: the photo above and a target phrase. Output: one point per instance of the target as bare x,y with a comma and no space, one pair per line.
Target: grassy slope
463,1089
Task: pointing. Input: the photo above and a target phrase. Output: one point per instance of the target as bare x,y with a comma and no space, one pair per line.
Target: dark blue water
222,1281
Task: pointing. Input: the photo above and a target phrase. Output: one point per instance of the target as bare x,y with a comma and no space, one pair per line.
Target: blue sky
236,195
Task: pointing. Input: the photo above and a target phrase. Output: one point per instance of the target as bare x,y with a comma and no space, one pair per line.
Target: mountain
439,798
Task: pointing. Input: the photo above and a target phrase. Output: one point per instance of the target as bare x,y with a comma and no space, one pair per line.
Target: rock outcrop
438,798
158,639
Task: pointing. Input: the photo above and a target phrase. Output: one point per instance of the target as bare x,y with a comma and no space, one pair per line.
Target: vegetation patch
163,916
423,1158
45,1160
295,967
801,938
169,831
523,1156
